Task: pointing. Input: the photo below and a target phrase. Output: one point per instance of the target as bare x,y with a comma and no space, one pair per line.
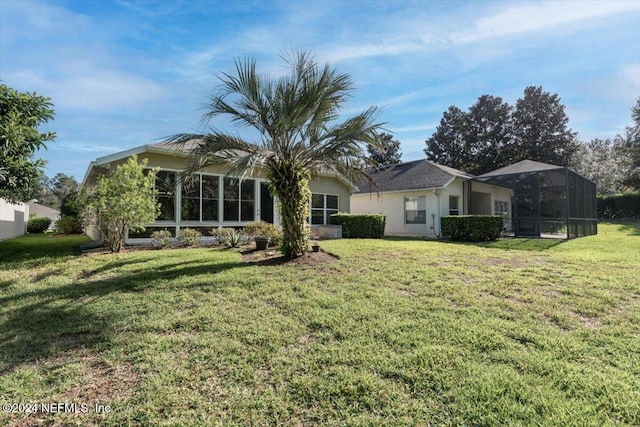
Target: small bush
190,237
620,206
236,238
161,238
38,224
221,235
472,228
264,229
69,225
354,226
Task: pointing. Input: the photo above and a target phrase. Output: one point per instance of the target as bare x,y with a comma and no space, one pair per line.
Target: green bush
356,226
190,237
161,238
620,206
38,224
264,229
69,225
472,228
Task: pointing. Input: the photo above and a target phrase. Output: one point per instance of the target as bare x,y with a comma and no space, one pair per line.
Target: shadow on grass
53,322
631,228
34,249
515,243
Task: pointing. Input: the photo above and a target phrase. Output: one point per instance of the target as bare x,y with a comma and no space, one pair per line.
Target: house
415,195
13,219
536,199
214,199
36,209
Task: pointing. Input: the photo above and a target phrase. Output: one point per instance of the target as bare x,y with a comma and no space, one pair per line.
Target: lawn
393,332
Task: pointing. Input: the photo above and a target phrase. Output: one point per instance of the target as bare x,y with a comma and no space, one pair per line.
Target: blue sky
126,73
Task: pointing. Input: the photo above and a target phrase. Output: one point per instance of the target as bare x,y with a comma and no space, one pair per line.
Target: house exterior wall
13,219
484,198
166,162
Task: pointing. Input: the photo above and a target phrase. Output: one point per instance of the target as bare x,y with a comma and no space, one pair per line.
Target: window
454,205
190,201
500,208
166,188
322,207
210,187
415,210
239,200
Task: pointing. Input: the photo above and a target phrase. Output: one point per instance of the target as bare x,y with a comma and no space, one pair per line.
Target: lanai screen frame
548,200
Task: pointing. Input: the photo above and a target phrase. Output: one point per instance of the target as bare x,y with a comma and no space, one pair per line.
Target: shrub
472,228
161,238
38,224
356,226
190,237
69,225
264,229
620,206
236,238
221,235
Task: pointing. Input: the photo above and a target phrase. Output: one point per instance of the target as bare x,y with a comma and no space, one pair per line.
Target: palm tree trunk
291,185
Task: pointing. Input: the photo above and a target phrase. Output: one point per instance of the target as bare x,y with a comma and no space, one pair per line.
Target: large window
415,210
199,200
239,199
454,205
322,207
166,188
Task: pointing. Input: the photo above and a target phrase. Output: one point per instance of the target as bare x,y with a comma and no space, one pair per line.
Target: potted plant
262,242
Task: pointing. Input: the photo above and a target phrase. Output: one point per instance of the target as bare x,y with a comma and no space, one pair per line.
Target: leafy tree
296,117
20,116
53,191
599,160
475,141
448,145
386,153
540,129
630,150
122,201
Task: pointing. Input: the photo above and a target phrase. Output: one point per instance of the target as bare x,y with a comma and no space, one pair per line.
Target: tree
475,141
122,201
296,117
599,161
540,129
386,153
630,150
53,191
20,116
448,145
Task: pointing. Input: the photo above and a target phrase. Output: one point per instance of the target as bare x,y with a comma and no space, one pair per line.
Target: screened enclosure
547,200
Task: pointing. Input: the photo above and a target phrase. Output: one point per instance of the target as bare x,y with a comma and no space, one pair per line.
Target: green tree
475,141
540,129
386,152
121,201
629,150
448,145
296,117
20,116
599,160
53,191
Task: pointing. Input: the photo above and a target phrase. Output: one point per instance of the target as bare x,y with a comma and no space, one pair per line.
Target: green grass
395,332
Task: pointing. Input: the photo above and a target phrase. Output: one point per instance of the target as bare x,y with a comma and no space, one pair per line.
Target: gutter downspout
436,231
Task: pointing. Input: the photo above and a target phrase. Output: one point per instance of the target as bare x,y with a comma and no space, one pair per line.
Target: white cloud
631,74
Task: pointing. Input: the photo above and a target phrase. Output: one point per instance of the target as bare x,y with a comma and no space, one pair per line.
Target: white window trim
404,209
324,208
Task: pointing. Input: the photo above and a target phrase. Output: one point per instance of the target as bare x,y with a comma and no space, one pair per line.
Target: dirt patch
275,257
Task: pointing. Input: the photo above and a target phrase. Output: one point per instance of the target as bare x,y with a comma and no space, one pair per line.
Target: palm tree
296,117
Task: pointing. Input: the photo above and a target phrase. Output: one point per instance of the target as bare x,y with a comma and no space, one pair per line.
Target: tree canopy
493,134
301,135
20,116
386,153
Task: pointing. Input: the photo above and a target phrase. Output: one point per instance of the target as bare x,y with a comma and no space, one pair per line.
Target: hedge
69,225
621,206
38,224
472,228
356,226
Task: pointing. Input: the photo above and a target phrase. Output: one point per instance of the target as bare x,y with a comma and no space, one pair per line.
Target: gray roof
524,166
416,175
43,211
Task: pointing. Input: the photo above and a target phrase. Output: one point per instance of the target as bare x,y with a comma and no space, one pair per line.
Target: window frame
456,211
419,219
325,210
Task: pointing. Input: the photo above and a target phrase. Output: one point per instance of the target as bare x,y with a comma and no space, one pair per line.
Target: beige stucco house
214,198
415,195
